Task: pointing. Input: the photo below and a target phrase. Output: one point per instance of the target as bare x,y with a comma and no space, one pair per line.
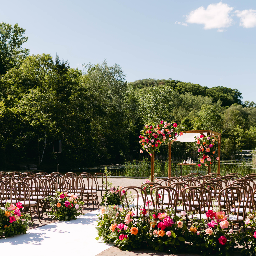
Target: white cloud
247,18
181,23
214,16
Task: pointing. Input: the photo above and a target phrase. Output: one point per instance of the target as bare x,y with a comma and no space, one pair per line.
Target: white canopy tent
189,136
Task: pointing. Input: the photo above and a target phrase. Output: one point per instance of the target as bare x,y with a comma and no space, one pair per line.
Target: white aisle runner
66,238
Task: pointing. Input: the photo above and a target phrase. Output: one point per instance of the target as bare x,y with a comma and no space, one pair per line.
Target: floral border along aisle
163,231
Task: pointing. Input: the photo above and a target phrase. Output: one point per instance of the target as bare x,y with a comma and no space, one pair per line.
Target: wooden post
152,166
209,168
169,160
219,143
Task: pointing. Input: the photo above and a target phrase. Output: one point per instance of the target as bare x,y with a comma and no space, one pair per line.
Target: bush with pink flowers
12,220
183,233
113,196
64,206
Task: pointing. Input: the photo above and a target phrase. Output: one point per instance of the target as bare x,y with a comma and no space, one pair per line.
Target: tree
226,95
11,52
106,93
209,118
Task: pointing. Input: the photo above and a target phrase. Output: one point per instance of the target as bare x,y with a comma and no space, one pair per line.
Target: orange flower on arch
134,231
58,205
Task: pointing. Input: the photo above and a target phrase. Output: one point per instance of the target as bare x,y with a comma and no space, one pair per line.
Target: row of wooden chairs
31,189
236,196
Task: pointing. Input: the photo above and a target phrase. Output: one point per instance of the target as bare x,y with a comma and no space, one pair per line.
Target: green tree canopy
11,52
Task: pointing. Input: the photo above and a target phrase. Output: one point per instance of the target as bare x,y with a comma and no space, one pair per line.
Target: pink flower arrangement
205,149
152,136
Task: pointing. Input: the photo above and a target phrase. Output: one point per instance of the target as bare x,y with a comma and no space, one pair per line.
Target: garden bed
181,233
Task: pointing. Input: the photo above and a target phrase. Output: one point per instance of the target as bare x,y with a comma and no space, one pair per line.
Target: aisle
60,238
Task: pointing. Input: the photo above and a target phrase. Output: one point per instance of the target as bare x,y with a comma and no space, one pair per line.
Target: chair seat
26,203
235,218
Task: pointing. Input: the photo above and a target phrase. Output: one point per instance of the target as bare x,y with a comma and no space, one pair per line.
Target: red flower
19,205
62,196
211,214
174,125
144,211
222,240
12,219
161,226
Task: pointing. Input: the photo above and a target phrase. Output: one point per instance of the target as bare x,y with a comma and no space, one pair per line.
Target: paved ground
76,237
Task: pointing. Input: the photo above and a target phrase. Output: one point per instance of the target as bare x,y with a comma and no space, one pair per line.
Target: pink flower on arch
254,234
174,125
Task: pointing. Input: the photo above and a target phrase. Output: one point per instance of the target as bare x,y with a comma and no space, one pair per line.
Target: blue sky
211,43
